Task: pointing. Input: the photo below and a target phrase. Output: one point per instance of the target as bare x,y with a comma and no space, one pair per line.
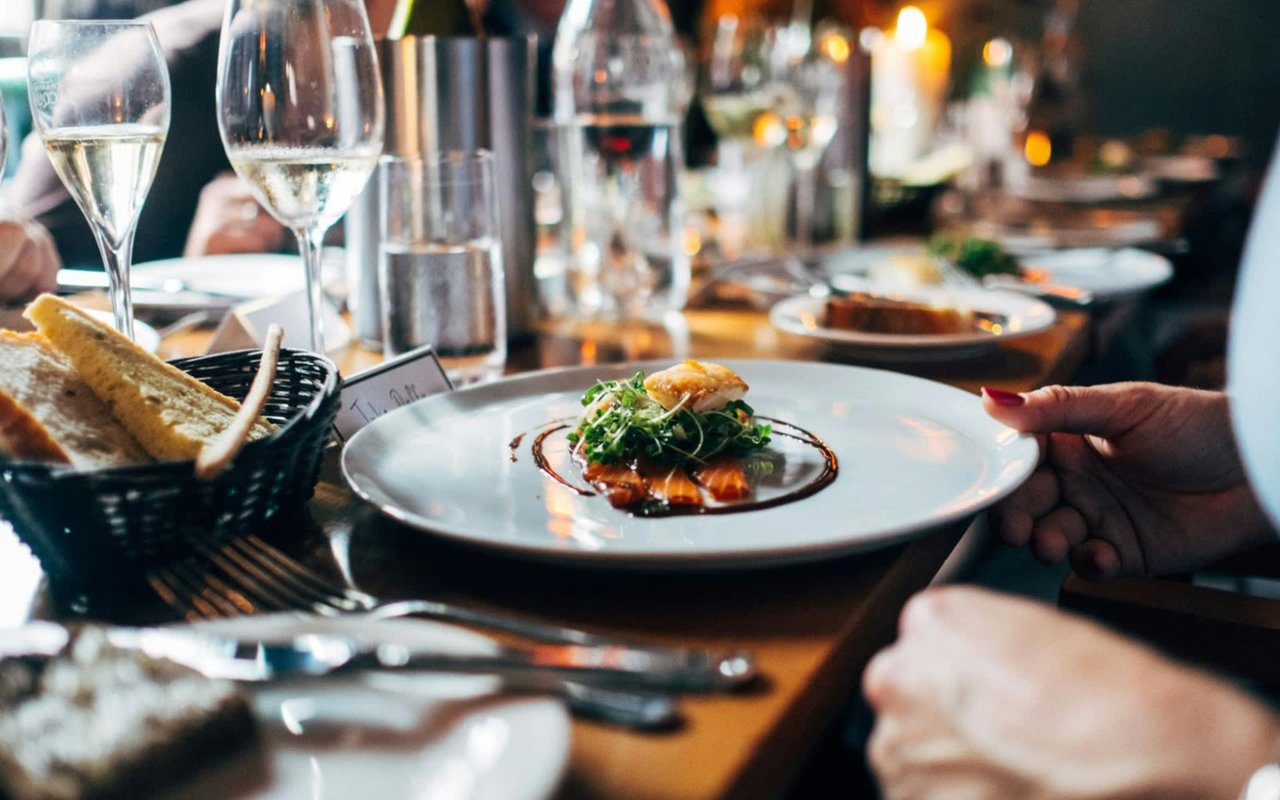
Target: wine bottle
436,18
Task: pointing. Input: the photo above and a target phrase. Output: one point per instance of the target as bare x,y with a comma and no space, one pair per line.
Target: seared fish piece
622,485
702,386
671,485
724,478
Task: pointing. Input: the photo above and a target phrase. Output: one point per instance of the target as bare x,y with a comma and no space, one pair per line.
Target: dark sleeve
193,152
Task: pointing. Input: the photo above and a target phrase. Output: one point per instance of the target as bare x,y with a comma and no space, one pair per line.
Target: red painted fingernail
1002,398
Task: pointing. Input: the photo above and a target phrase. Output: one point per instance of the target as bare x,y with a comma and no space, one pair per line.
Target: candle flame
912,28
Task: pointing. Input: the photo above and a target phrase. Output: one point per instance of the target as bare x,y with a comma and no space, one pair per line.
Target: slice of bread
23,437
48,413
171,414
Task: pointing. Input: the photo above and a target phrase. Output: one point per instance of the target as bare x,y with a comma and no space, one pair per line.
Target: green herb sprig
621,423
978,257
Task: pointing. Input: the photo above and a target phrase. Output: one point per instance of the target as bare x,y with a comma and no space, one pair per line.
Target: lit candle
910,72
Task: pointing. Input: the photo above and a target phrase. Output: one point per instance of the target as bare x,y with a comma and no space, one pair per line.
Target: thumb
1105,411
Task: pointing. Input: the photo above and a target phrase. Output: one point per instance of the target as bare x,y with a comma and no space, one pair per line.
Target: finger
1057,533
1106,411
12,237
1014,517
877,679
47,260
17,282
1092,490
1096,559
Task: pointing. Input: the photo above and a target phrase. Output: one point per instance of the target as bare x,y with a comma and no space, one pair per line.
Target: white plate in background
913,455
1024,316
1107,274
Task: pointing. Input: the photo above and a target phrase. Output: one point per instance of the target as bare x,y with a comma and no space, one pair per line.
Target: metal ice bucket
444,94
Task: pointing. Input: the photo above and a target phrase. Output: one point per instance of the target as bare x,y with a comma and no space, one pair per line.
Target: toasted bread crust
23,437
45,389
169,413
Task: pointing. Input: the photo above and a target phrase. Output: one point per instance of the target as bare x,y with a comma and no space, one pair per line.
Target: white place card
246,324
370,394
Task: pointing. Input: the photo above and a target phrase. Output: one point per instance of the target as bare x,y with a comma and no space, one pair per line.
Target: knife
169,291
317,655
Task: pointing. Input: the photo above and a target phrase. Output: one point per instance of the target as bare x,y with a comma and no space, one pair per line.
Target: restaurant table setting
439,595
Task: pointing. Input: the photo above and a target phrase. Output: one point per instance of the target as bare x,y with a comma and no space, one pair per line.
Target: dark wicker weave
108,526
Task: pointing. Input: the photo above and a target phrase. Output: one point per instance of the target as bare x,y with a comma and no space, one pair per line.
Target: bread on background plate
47,413
170,414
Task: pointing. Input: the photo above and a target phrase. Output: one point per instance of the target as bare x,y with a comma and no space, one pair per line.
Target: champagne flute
301,115
100,103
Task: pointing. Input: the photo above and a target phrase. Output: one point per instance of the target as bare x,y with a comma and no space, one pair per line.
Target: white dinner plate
1023,316
913,454
1108,273
1105,273
393,737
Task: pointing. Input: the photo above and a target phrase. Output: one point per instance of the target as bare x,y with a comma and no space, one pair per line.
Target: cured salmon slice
724,478
671,485
622,485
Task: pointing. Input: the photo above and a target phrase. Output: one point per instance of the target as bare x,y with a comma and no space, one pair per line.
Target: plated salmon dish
672,439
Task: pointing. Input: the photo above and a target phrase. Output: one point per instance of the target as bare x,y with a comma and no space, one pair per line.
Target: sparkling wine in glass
99,94
300,111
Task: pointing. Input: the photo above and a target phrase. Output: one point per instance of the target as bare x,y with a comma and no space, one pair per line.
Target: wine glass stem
117,258
311,244
806,190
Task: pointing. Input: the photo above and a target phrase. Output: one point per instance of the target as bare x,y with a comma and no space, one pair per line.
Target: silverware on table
248,576
321,655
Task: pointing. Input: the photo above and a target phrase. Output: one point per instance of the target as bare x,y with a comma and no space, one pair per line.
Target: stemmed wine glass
4,139
804,120
301,115
99,94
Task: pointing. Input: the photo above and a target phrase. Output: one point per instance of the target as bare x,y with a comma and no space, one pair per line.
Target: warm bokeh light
837,48
692,242
1038,149
997,53
912,28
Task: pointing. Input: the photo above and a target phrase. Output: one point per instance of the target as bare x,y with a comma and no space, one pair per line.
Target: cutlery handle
615,666
730,669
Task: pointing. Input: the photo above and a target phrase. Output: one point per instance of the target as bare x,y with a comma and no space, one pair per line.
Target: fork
255,576
953,275
209,597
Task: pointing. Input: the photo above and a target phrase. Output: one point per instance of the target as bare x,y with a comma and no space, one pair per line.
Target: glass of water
440,262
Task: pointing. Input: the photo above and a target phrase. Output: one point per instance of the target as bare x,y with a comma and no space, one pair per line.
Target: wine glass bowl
300,112
738,83
100,96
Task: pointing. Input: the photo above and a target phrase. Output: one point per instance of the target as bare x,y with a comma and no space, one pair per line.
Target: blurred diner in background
997,275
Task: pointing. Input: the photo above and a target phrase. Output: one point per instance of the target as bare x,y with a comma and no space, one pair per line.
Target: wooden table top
812,627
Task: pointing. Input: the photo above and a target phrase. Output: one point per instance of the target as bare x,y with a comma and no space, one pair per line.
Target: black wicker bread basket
108,526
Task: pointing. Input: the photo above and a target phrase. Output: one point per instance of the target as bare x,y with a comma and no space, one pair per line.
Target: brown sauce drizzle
830,470
514,446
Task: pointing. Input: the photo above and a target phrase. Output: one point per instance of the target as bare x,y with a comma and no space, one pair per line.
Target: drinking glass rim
481,158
